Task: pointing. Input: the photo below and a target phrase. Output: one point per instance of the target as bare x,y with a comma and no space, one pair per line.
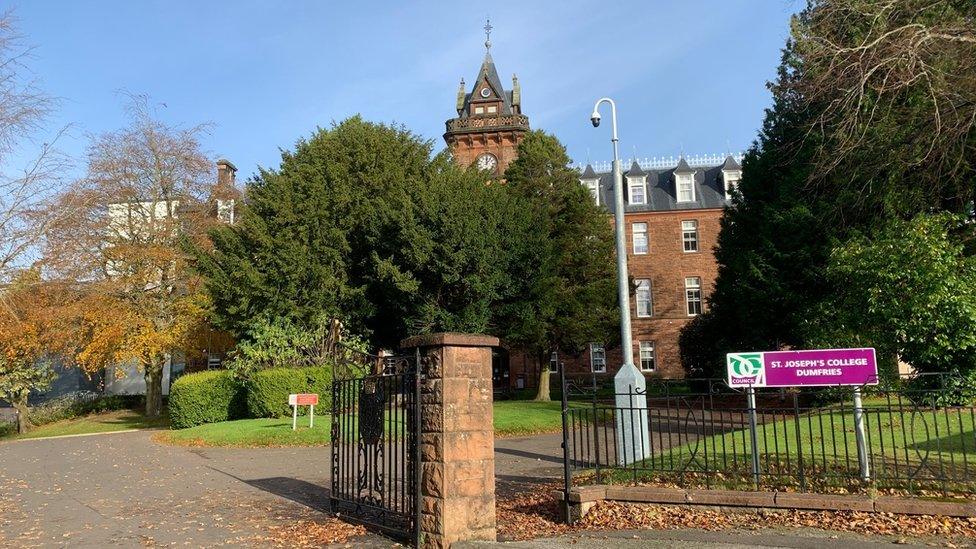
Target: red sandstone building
672,213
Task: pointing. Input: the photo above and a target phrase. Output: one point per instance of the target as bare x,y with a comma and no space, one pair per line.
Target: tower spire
488,28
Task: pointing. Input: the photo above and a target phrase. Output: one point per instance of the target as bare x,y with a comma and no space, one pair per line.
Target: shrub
80,403
268,390
7,428
939,390
206,397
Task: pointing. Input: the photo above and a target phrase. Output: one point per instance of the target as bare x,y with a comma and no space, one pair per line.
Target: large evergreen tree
873,119
359,223
563,287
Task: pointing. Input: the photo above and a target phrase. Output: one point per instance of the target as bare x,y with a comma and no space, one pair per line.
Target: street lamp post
623,281
629,383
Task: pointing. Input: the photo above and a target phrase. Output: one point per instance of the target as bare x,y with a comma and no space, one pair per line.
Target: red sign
303,399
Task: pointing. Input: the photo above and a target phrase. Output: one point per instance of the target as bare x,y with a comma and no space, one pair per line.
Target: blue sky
687,76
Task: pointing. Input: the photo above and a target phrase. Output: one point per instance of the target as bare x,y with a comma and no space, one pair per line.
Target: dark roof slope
489,73
661,192
730,164
635,170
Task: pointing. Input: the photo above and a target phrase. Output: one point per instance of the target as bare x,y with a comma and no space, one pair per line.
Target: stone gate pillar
457,439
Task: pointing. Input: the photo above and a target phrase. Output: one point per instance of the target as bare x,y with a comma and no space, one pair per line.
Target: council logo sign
744,368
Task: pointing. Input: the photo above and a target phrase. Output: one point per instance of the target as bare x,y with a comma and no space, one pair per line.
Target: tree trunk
23,415
154,387
543,394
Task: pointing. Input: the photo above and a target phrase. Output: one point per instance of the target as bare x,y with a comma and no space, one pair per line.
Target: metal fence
375,445
702,433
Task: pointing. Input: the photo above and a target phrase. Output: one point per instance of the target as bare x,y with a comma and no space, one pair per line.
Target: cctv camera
595,119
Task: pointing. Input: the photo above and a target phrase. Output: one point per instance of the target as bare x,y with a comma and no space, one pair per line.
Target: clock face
485,92
487,162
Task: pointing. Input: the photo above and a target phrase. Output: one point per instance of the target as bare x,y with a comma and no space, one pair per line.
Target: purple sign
821,367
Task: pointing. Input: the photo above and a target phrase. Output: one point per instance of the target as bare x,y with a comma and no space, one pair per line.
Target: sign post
815,368
862,447
754,438
302,399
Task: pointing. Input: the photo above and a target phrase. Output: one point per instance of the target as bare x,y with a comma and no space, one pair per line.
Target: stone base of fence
583,498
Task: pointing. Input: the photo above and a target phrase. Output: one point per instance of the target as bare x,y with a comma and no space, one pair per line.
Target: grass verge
107,422
252,433
512,418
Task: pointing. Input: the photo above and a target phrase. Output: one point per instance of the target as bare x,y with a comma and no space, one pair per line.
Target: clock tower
490,123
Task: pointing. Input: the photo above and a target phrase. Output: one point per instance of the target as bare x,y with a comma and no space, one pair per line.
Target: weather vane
488,28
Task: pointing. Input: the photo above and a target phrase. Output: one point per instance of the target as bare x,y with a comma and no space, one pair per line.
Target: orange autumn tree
28,339
147,194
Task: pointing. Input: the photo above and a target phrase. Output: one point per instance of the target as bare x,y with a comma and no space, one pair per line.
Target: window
731,178
693,296
598,358
479,110
225,211
640,238
554,362
593,185
645,308
636,190
647,359
686,187
689,235
492,109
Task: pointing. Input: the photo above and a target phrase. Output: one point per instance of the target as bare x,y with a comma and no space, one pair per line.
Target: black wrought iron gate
375,447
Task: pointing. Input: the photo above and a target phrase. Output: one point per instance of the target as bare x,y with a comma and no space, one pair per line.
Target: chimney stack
226,173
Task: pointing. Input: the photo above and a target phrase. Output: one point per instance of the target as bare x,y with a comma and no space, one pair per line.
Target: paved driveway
125,490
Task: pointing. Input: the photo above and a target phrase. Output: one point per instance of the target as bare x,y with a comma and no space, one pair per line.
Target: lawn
512,418
248,433
903,448
107,422
527,417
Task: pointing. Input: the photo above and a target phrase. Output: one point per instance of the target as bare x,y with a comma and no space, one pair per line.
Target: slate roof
635,170
661,191
730,164
490,73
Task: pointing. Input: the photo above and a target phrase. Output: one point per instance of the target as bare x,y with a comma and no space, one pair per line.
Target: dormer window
592,185
685,183
636,190
731,179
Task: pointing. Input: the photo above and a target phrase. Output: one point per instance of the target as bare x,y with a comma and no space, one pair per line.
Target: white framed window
693,295
479,110
639,231
598,358
492,109
554,362
689,235
731,179
648,361
592,185
645,305
636,190
685,183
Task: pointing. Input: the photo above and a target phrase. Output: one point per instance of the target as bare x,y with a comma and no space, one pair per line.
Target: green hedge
268,390
206,397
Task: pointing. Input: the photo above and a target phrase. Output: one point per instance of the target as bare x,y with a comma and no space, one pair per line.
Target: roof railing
664,162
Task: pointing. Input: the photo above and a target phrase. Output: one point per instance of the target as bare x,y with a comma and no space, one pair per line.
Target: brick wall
666,265
467,146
